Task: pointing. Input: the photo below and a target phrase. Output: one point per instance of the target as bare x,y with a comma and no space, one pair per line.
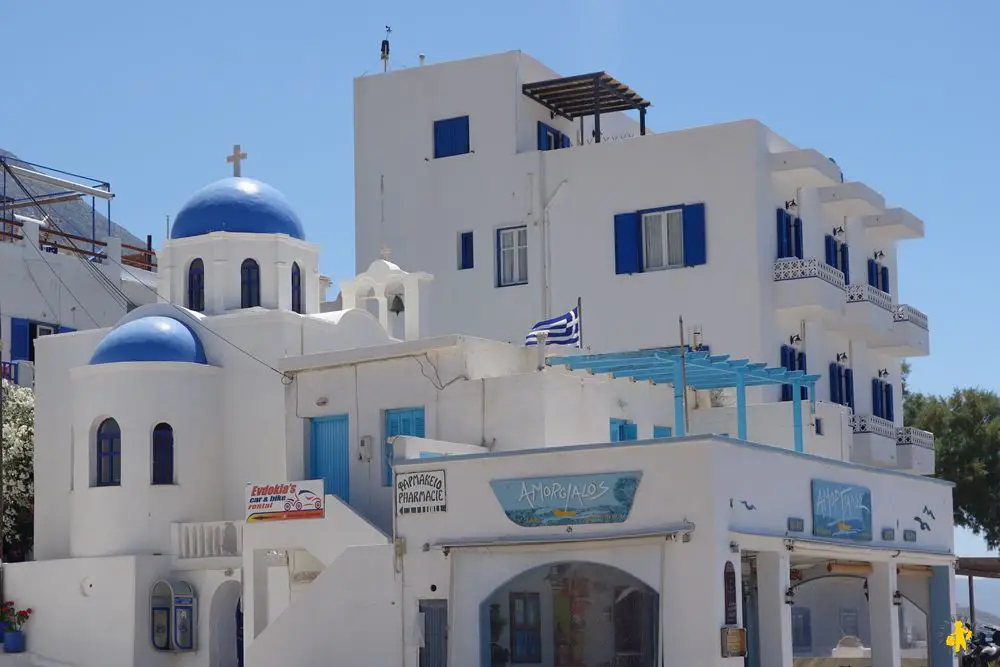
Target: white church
232,476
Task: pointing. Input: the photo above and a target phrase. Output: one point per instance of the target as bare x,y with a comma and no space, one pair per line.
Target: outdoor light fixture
878,254
794,338
790,204
883,372
841,356
790,595
897,598
837,231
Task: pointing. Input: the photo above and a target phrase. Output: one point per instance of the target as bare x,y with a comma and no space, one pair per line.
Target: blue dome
151,338
237,205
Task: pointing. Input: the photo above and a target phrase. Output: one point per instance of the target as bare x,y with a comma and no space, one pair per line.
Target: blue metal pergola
700,371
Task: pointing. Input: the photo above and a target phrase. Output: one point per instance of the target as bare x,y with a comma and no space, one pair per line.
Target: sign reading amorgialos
423,492
568,499
285,501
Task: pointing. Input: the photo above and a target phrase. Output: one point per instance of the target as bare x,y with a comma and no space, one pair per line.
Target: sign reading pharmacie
568,499
422,492
285,501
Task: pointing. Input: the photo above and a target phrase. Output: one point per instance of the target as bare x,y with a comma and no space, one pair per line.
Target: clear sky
151,96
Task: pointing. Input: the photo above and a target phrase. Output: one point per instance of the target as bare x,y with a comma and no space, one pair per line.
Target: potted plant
13,636
5,611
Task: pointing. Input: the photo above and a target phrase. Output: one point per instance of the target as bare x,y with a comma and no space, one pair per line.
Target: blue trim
884,270
680,415
329,454
249,284
890,413
108,444
623,430
431,455
939,617
466,257
628,243
784,234
296,288
797,237
835,396
849,387
566,141
20,339
451,137
196,285
845,263
695,241
662,432
877,396
163,454
741,407
830,245
872,273
499,256
399,421
797,421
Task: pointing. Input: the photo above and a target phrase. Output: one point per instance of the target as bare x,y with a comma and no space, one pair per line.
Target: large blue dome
237,205
150,338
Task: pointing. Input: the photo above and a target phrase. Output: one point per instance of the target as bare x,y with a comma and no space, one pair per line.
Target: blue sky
904,95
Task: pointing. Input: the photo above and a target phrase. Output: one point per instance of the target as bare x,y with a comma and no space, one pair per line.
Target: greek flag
562,330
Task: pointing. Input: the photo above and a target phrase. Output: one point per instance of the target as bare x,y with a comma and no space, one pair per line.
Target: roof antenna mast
385,49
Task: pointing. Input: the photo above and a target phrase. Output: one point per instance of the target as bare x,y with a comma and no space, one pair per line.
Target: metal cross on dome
235,159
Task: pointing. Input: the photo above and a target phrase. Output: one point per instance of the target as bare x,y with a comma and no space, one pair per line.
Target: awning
684,529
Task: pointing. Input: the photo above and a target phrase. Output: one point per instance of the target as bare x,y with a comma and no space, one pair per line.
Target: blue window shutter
662,432
782,219
65,330
885,279
451,137
615,430
543,138
872,273
628,243
849,387
631,431
566,141
835,384
441,143
845,262
801,366
797,224
786,357
463,143
889,410
877,398
831,250
418,423
20,339
466,258
695,252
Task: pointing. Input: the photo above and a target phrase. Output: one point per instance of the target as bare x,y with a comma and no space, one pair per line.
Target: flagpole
687,420
579,318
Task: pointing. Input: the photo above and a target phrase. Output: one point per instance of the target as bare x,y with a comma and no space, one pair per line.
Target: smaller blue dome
151,338
240,205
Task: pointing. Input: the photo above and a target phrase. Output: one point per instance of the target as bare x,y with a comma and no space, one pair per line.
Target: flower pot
13,641
3,630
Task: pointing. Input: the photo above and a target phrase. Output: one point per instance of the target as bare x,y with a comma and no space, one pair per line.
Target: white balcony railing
905,313
873,424
210,539
865,292
908,435
792,268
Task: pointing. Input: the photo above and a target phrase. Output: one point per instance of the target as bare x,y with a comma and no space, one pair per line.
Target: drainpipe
547,250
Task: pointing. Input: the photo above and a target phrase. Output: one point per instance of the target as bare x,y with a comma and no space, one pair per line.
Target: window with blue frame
841,385
878,275
793,360
623,430
882,400
663,432
551,139
838,256
660,238
512,256
451,137
525,628
196,285
399,421
249,284
108,451
163,454
790,242
801,630
466,258
296,288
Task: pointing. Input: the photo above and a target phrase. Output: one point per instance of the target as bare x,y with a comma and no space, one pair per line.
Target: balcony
210,539
874,441
893,225
809,289
868,314
805,168
915,450
850,200
909,336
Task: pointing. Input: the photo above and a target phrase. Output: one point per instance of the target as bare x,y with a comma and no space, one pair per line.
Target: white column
215,287
774,617
411,303
884,615
383,311
283,272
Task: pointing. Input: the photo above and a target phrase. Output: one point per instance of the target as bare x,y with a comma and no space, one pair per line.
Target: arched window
109,453
296,288
196,285
250,283
163,454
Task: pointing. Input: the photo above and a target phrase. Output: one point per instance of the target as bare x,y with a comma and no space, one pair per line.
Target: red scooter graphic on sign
302,499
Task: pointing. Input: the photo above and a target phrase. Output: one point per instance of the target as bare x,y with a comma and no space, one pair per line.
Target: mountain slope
74,217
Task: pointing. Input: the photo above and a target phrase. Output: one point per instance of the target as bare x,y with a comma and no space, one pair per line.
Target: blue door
329,458
434,652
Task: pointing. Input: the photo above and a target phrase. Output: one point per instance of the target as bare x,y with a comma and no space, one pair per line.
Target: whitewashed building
493,175
55,277
442,500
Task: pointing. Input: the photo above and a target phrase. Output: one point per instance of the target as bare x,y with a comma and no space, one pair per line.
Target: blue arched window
109,453
163,454
196,285
250,283
296,288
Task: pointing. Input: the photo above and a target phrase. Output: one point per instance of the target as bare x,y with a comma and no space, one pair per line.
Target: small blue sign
841,511
568,500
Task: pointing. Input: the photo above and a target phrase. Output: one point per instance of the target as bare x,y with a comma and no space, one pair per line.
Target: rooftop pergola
584,95
701,371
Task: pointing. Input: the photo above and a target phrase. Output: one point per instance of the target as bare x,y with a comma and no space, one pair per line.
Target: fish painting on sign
567,500
842,511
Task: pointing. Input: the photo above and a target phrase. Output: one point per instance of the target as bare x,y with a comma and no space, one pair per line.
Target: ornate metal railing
865,292
909,435
905,313
873,424
208,539
792,268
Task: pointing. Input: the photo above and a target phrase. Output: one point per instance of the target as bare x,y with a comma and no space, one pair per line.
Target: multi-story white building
63,265
493,175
